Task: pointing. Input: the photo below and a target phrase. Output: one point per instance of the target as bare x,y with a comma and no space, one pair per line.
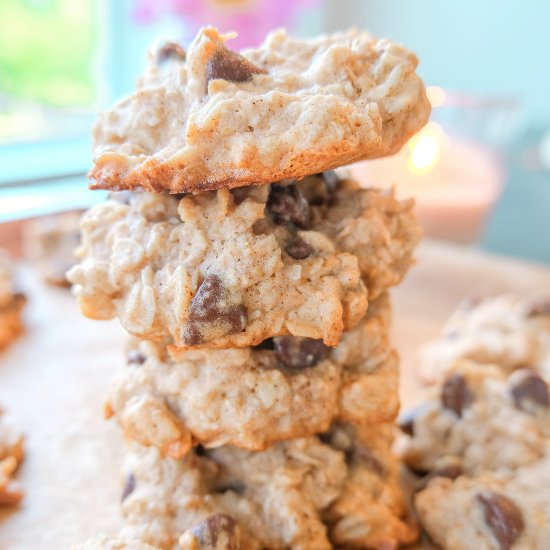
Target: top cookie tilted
212,118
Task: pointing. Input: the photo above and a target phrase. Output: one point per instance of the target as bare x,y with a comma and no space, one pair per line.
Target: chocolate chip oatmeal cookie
340,489
483,449
213,118
506,330
11,456
286,387
232,268
11,302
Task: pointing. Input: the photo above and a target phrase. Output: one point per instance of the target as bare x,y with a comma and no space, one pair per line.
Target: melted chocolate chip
455,395
405,422
298,249
217,532
287,205
228,65
529,391
451,471
210,306
200,450
299,353
135,357
168,51
539,308
503,518
266,344
129,486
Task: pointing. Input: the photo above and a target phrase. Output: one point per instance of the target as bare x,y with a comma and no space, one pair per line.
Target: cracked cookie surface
286,387
212,118
232,268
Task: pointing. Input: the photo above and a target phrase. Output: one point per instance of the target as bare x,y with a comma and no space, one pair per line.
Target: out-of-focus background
480,170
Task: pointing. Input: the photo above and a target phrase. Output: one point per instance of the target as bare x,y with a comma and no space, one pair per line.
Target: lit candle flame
424,149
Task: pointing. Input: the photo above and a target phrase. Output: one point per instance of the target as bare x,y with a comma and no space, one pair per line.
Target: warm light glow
425,149
436,96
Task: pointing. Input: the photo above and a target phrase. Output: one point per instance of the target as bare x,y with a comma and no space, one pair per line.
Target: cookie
483,449
489,512
213,118
482,420
50,242
12,302
506,330
231,268
286,387
11,456
339,489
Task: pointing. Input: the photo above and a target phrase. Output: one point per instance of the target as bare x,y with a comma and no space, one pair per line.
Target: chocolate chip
367,458
129,486
539,308
168,51
529,390
455,395
405,422
200,450
287,205
298,249
217,532
503,518
299,353
228,65
135,357
266,344
451,471
211,307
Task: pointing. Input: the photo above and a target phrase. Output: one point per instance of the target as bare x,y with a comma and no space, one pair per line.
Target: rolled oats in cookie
12,301
233,268
11,456
286,387
337,490
505,330
210,118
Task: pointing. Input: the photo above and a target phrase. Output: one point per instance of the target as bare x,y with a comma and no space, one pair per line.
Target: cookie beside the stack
260,392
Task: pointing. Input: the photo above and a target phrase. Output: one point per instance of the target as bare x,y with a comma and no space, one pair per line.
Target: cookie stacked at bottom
260,390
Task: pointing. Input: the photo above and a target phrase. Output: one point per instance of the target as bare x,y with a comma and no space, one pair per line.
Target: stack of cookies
261,385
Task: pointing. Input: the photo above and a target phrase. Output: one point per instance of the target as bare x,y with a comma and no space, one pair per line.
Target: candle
455,183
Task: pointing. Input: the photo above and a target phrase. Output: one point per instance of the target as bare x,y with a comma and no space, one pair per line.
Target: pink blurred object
251,19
